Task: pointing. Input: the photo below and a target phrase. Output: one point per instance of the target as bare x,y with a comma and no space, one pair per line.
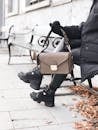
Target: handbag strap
45,43
66,40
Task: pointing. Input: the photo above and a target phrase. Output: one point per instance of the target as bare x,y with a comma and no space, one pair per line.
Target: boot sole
49,104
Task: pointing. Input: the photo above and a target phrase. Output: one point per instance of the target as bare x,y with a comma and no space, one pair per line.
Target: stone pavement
19,112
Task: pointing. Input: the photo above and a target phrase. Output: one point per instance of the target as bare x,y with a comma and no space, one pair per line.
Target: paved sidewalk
19,112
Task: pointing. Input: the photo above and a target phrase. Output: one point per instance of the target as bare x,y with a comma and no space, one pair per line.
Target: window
59,2
31,2
36,4
12,7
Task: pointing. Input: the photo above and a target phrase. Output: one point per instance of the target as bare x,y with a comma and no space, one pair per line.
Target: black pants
59,78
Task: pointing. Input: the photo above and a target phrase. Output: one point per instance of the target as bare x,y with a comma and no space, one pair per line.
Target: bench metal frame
11,44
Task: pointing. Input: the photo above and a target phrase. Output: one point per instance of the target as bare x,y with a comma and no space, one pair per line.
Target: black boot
34,78
46,96
26,77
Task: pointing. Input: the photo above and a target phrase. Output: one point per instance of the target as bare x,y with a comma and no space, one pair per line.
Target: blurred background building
27,13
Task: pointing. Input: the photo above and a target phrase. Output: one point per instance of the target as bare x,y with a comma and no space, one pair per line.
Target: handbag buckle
53,67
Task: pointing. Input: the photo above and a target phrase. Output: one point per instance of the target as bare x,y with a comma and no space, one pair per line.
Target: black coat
87,33
89,47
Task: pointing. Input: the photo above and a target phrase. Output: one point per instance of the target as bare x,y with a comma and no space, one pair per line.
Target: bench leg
9,50
31,55
72,75
90,83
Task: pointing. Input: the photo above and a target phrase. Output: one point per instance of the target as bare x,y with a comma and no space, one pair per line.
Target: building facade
23,13
2,20
28,13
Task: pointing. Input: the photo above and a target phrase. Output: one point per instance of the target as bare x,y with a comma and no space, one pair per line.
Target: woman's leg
56,81
47,95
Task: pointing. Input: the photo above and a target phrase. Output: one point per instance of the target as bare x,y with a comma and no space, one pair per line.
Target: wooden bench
19,41
6,34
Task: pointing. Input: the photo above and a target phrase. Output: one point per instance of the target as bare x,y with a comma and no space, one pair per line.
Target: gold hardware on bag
53,67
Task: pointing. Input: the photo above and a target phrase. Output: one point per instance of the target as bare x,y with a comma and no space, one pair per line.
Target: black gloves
73,32
56,27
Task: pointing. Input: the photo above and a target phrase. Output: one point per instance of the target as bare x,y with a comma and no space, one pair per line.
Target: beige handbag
58,62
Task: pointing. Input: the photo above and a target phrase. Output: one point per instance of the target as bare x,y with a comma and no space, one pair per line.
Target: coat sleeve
74,35
73,32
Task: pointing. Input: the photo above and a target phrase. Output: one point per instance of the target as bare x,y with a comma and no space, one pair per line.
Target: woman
88,54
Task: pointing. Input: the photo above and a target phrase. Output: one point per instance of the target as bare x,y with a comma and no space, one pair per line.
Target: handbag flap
54,58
